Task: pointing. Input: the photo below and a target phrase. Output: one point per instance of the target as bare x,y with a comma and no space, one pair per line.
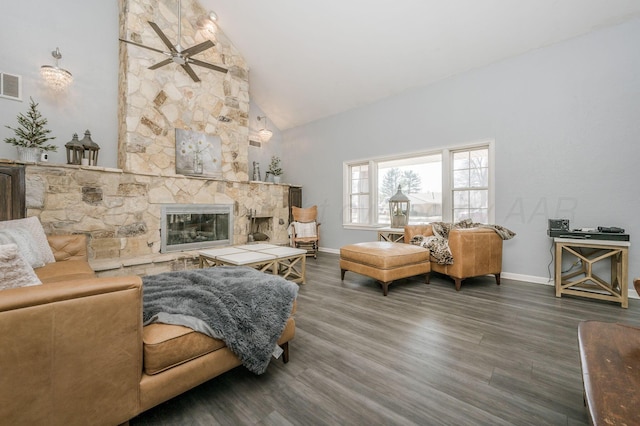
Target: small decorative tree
31,131
274,167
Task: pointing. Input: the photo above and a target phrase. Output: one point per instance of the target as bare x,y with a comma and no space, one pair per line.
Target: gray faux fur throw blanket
438,244
245,308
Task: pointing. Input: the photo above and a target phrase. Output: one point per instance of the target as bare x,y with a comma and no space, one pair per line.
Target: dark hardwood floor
423,355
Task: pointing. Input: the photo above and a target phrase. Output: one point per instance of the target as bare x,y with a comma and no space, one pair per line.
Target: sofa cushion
31,240
166,346
66,270
14,269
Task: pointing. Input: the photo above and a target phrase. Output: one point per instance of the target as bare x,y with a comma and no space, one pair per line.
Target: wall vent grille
10,86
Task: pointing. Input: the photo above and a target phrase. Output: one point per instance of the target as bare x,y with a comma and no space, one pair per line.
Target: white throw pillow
32,242
14,269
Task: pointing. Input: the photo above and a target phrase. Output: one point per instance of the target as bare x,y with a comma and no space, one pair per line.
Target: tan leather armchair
476,252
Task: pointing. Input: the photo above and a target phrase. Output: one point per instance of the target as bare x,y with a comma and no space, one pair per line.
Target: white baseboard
509,276
527,278
329,250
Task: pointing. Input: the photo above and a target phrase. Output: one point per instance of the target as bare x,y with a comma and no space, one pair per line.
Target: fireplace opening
195,226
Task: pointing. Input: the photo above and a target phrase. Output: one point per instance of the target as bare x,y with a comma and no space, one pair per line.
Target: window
470,191
359,194
444,185
420,178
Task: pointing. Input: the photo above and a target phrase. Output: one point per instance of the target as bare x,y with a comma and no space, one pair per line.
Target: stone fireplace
195,226
120,209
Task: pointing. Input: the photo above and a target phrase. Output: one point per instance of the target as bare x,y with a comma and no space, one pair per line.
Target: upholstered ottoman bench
385,261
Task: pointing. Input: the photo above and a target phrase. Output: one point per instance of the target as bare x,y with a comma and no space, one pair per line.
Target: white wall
567,136
87,35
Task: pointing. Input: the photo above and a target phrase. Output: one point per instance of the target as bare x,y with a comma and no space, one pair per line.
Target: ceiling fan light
265,134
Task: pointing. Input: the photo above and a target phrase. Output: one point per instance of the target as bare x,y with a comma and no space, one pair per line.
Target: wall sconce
207,22
265,134
56,78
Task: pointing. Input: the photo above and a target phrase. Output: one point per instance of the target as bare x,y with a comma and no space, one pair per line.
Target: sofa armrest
71,352
68,246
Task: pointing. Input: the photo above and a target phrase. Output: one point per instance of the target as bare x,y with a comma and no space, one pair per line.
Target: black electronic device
589,235
610,229
557,225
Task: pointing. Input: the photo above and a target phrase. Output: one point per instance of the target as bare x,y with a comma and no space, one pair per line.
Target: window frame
447,182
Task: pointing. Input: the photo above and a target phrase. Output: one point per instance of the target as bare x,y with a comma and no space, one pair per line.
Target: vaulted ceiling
310,60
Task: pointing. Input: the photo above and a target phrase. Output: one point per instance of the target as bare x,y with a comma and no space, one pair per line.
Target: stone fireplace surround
119,209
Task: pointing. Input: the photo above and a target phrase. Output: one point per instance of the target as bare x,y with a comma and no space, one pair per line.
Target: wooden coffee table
288,262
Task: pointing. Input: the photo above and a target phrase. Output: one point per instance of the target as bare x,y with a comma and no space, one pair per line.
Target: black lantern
90,149
75,150
399,209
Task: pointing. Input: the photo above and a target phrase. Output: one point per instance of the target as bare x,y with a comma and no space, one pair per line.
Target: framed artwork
198,154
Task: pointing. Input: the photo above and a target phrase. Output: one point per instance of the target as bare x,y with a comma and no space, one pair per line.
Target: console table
393,235
585,282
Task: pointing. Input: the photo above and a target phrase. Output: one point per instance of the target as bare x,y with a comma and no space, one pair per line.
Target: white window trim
447,202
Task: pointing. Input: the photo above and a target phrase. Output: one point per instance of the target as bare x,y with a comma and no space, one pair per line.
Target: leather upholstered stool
385,261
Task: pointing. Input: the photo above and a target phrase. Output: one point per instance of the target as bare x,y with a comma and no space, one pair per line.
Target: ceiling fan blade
146,47
163,37
161,64
190,71
207,65
193,50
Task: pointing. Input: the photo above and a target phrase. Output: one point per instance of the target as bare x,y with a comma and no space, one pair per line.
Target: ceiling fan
176,53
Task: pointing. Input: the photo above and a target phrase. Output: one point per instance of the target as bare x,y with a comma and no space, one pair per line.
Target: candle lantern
399,209
75,150
90,149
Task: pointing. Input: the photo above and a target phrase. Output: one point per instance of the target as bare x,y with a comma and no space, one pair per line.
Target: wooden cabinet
295,199
12,192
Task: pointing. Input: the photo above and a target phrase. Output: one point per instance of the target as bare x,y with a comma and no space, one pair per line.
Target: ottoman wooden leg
342,271
497,278
385,288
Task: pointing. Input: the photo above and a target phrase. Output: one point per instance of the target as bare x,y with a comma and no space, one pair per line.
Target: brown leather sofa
476,252
73,351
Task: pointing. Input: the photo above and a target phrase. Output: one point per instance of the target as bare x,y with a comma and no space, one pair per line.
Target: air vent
10,86
255,143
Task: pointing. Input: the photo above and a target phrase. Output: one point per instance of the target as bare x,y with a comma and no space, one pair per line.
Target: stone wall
120,211
153,103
